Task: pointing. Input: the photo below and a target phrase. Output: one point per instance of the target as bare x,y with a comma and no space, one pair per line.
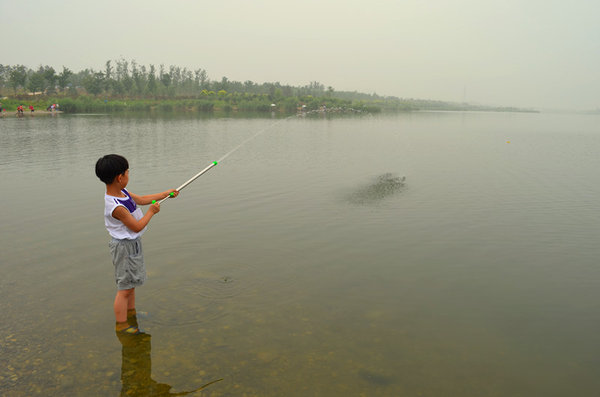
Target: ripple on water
210,293
199,298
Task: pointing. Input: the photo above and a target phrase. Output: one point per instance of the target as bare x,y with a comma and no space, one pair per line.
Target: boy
126,223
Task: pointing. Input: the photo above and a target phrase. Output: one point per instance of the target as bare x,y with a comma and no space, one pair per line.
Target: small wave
201,299
214,292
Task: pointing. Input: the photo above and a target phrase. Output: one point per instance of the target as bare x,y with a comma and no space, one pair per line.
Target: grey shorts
130,271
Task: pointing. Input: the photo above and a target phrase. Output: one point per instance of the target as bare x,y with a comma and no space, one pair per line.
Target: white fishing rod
192,179
214,163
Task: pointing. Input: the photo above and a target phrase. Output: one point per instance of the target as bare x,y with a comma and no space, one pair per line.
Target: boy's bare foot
130,330
121,326
126,328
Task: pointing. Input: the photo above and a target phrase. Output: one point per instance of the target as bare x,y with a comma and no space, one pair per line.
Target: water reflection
136,369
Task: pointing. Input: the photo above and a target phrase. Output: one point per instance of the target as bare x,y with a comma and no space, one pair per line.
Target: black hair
109,166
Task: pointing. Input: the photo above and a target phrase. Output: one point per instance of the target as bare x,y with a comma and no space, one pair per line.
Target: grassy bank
237,102
225,103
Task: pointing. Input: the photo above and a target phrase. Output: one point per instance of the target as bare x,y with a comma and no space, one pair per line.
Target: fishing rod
192,179
214,163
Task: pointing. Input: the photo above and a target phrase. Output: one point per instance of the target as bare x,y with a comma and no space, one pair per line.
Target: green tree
152,85
117,87
64,78
175,73
202,78
17,77
4,71
123,80
94,83
249,86
127,84
108,70
139,78
49,78
287,91
108,76
166,79
224,85
36,81
122,70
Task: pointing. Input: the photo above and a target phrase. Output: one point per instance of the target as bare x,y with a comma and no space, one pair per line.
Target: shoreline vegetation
127,87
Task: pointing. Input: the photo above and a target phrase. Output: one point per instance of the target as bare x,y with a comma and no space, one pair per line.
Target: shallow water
417,254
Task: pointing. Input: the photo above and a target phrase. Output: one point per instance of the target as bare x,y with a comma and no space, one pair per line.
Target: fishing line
251,138
214,163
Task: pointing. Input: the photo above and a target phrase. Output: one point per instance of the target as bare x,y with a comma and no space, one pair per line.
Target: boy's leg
131,301
120,307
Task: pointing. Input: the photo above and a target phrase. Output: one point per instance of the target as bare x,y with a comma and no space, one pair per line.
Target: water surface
417,254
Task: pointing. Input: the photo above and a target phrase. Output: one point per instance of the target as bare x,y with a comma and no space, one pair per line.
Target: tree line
128,84
128,79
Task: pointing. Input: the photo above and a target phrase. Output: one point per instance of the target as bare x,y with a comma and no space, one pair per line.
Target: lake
418,254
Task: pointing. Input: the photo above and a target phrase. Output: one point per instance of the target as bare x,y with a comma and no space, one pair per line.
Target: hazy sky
534,53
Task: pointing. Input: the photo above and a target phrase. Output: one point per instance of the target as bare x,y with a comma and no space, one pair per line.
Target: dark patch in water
374,378
383,186
226,279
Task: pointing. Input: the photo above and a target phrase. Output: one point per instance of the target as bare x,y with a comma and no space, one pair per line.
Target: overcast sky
529,53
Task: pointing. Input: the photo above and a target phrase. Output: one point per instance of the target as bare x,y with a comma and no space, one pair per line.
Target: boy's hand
173,193
155,208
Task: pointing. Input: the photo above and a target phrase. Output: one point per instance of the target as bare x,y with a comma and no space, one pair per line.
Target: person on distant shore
20,110
31,108
126,223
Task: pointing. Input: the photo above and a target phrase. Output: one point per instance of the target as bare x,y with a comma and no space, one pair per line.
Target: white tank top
115,227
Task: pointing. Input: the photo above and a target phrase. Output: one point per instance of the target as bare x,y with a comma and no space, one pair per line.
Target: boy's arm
121,213
147,199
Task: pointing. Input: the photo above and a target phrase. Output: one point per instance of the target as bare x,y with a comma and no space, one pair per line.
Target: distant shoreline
239,103
29,113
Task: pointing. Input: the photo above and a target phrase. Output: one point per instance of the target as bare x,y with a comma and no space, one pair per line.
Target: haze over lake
534,54
427,253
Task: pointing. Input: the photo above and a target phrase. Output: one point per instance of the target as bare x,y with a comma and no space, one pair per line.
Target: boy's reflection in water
136,368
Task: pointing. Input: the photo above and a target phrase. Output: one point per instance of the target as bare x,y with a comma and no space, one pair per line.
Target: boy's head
109,166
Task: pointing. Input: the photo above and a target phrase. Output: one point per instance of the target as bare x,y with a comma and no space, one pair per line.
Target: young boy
126,223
